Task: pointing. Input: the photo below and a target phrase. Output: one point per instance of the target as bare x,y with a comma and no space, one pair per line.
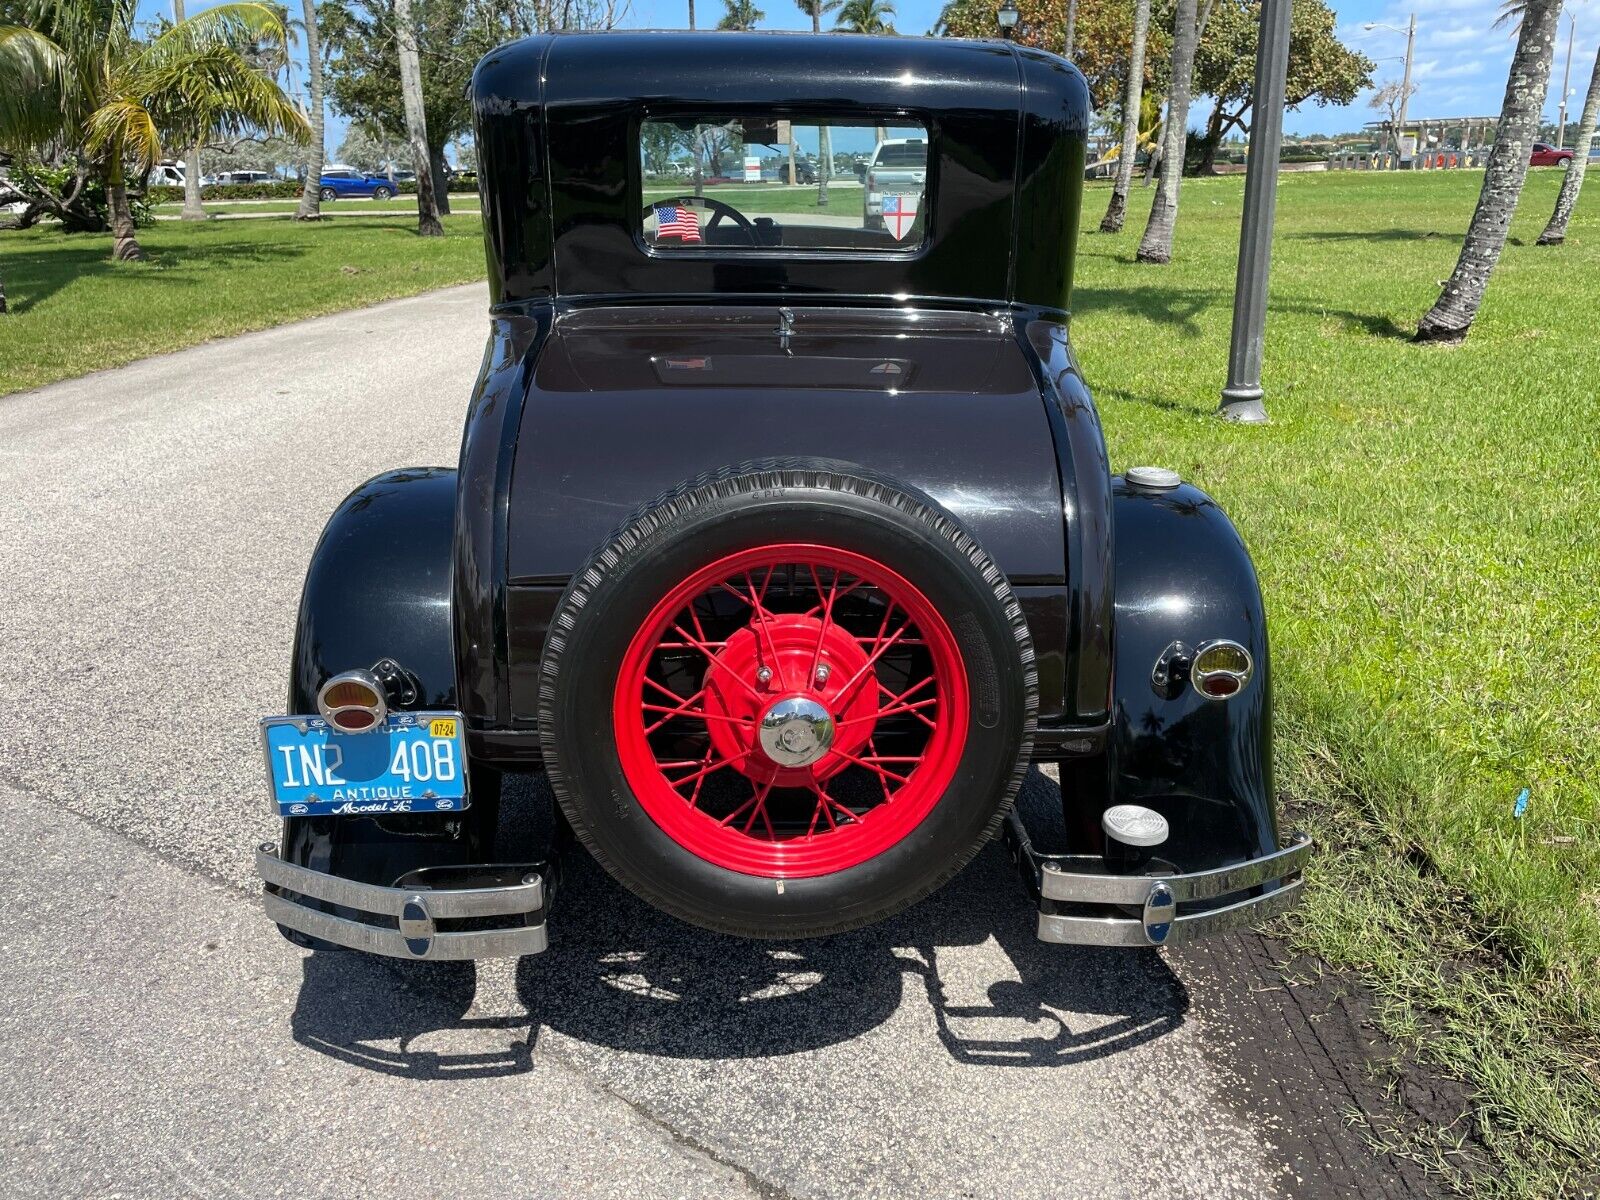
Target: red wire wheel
786,700
791,710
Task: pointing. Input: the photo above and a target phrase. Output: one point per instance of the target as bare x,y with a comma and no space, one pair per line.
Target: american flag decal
677,221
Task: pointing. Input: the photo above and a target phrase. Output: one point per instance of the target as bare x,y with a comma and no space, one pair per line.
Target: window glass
758,183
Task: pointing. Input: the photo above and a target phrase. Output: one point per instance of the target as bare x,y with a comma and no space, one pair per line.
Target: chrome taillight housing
353,702
1221,669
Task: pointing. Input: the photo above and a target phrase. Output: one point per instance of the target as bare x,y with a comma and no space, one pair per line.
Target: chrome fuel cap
796,732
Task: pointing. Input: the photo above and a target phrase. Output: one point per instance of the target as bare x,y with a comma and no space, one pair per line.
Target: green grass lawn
1423,520
1424,523
330,208
73,310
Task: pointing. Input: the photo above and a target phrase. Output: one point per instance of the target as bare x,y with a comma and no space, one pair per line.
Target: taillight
353,702
1221,669
872,182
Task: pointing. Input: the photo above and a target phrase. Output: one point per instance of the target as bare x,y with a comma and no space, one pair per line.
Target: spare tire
788,699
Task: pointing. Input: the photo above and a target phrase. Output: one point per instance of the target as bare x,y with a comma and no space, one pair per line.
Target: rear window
730,183
903,154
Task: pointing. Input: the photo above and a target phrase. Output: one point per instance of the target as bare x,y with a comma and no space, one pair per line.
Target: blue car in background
340,183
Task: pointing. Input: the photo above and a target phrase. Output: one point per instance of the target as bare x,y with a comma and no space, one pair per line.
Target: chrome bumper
414,911
1057,882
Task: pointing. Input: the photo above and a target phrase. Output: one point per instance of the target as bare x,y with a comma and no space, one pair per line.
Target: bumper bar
415,911
1060,882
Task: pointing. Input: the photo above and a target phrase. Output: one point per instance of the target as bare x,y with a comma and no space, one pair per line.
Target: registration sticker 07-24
415,762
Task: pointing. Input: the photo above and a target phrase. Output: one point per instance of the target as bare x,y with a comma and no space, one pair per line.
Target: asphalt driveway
159,1038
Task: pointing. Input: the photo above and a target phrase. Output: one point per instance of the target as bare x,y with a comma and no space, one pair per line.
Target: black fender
379,587
1183,574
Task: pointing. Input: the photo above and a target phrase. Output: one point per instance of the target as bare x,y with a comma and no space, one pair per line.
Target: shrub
286,189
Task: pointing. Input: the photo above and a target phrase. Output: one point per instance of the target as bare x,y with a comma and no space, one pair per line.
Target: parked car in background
242,177
1546,155
342,183
167,175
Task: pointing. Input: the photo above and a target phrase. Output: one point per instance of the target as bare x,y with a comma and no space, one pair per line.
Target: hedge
283,190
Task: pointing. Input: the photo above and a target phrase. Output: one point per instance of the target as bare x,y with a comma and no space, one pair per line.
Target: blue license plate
415,762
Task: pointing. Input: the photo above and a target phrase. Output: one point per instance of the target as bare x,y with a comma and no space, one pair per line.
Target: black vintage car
781,542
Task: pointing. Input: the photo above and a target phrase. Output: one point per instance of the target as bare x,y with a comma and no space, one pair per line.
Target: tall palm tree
865,16
193,210
405,36
1556,231
1132,106
1450,319
1071,41
691,14
81,79
741,14
1156,245
824,136
311,191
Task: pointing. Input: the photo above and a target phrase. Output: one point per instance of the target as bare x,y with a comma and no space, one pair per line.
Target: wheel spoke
843,696
716,663
704,771
687,708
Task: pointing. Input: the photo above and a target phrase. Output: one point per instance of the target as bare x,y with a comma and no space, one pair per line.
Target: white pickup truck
899,167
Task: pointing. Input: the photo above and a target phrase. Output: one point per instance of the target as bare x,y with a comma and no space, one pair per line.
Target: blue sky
1460,68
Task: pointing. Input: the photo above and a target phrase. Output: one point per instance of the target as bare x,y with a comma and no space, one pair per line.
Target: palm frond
122,126
229,25
214,93
33,86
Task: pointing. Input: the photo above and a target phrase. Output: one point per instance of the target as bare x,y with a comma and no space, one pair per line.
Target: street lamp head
1008,16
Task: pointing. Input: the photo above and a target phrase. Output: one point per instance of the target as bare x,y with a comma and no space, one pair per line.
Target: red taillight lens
1219,687
353,702
1221,669
872,182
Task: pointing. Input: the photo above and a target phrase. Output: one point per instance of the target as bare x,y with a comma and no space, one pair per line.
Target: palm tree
1132,106
1450,318
311,191
193,210
824,136
1156,245
691,14
741,14
1556,231
865,16
82,80
1071,40
405,31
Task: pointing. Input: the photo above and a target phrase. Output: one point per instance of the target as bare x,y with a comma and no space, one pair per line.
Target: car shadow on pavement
620,974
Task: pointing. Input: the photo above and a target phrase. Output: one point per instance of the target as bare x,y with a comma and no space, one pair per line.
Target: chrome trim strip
493,943
1129,931
391,902
415,910
1087,888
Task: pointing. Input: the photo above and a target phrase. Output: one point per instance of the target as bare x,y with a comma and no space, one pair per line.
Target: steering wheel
718,211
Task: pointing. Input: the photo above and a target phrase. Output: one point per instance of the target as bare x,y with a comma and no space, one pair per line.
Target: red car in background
1546,155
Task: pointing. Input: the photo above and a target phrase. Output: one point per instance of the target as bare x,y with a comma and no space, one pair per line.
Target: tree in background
1132,107
363,71
865,16
1156,245
1450,319
372,151
1103,39
193,210
1389,99
79,77
1556,231
311,189
741,14
1321,67
405,36
815,8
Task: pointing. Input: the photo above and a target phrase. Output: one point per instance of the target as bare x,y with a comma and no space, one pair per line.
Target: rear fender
379,588
1183,575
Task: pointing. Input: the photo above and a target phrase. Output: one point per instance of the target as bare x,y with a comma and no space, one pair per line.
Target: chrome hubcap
796,732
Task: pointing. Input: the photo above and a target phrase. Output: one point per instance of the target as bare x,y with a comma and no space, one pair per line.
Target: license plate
416,762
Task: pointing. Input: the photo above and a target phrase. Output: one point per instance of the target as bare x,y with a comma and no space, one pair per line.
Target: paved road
159,1039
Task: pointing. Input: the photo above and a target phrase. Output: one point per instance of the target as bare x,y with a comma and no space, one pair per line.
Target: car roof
557,117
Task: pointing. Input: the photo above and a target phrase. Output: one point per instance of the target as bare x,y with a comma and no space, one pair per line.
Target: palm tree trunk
441,180
824,137
124,236
193,210
1132,101
1156,246
1450,319
3,309
1556,231
691,14
311,192
1072,29
416,122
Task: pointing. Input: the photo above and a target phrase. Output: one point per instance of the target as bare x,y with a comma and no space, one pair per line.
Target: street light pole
1007,16
1242,398
1405,83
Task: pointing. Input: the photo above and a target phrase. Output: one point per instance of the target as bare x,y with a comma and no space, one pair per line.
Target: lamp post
1008,16
1566,81
1242,398
1405,84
